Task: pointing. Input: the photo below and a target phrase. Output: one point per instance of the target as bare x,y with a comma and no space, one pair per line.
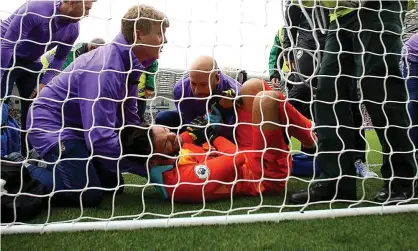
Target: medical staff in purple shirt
195,94
33,29
80,114
410,72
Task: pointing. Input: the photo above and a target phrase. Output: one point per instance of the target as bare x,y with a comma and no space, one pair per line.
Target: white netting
237,34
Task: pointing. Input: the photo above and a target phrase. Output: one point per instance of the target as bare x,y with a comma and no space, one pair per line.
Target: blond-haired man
96,96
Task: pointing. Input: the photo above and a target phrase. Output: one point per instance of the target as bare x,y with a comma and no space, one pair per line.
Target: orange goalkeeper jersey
259,164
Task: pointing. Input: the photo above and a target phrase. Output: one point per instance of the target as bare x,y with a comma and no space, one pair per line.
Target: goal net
239,35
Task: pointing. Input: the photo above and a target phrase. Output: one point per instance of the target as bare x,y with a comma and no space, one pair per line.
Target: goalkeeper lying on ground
262,168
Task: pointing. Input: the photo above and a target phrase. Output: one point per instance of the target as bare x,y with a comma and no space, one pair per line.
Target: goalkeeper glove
148,93
230,93
198,131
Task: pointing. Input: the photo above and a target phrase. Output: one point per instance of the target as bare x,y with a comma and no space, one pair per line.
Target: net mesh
237,33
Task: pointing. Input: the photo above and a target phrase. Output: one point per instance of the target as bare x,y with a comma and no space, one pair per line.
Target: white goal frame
108,225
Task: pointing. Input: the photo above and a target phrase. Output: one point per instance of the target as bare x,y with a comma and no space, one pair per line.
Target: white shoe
363,170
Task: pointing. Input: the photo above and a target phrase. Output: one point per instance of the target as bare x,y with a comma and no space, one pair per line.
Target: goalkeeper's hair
141,17
137,140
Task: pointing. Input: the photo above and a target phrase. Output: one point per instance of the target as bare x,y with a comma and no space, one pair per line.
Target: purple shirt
99,97
37,22
411,48
191,108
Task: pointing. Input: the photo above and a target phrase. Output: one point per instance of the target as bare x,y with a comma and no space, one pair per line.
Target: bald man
196,92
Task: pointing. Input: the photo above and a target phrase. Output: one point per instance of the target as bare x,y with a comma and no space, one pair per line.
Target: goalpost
140,206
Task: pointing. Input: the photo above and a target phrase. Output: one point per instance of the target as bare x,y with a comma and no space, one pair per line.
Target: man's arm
131,107
228,110
228,119
19,29
293,16
224,145
98,114
47,57
59,58
274,53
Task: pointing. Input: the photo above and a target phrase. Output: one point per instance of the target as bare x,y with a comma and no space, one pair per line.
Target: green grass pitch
387,232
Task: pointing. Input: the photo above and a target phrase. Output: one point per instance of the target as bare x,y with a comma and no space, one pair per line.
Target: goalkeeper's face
165,141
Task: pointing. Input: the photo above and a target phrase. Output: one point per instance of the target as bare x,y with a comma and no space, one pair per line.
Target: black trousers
360,135
306,59
373,58
308,66
142,105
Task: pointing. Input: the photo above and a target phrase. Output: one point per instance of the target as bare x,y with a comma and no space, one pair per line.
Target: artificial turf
387,232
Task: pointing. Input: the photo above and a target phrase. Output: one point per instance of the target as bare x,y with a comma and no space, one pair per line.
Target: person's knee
160,117
253,86
267,100
168,118
249,91
265,108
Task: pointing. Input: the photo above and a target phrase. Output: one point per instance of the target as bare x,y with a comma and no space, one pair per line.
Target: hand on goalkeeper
148,93
199,130
228,101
